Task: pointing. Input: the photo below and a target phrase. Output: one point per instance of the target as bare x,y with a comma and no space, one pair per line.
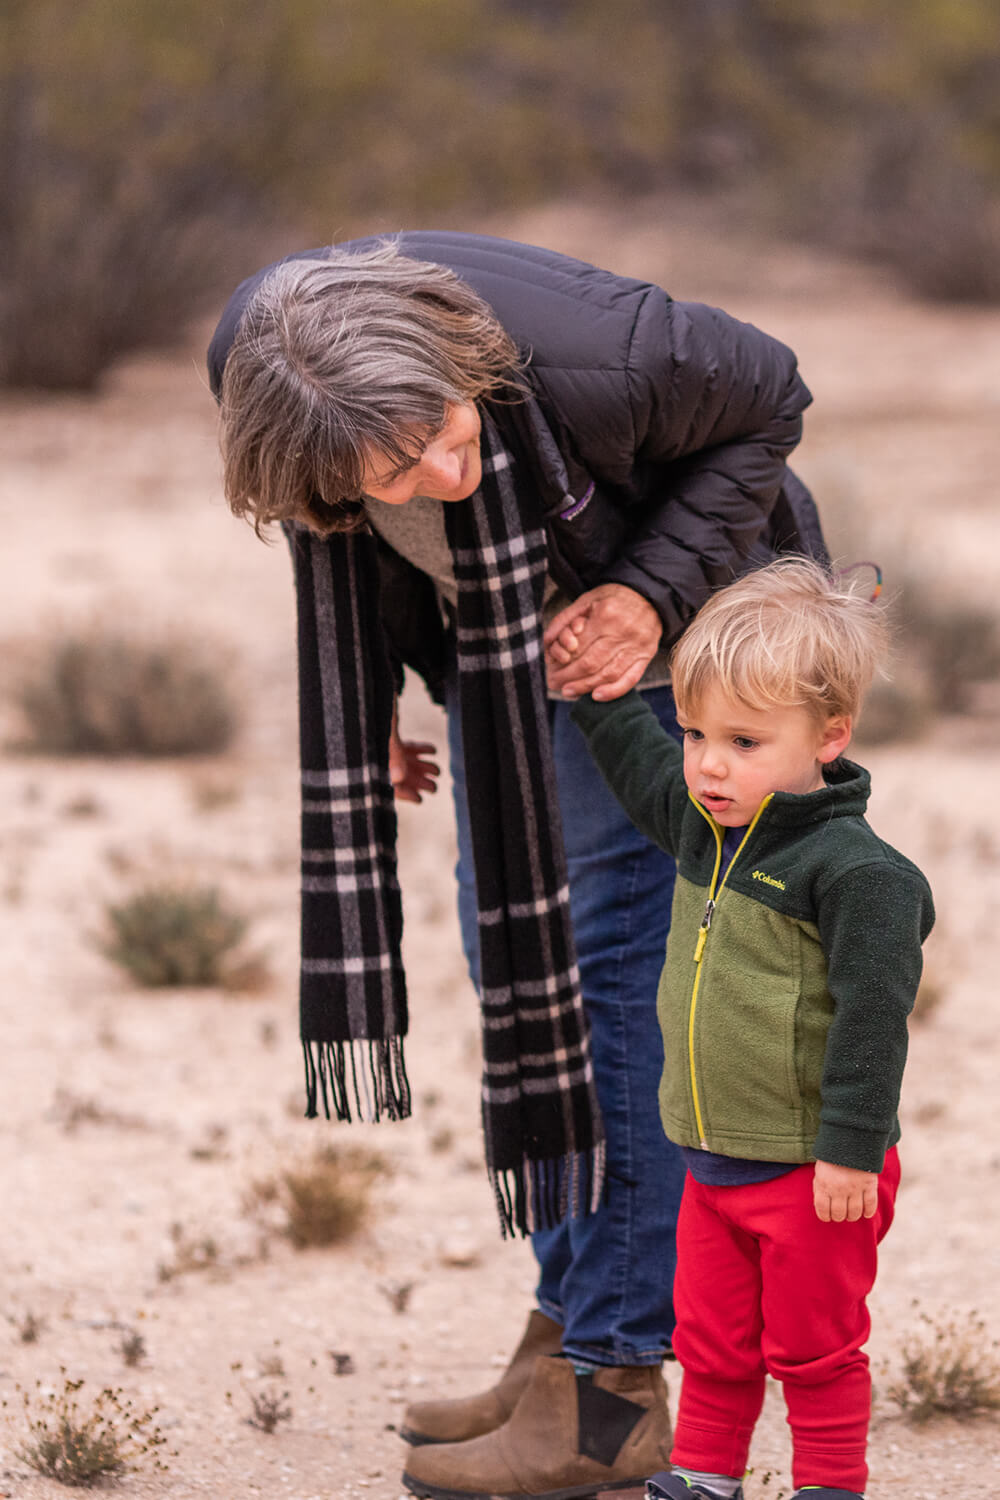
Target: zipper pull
706,923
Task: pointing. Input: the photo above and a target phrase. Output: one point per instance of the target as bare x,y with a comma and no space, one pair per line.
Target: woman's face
448,468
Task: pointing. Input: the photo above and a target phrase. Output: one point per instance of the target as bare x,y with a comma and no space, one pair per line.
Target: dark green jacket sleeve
872,920
640,761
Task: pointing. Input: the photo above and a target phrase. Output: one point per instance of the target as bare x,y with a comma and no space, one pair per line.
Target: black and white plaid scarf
543,1132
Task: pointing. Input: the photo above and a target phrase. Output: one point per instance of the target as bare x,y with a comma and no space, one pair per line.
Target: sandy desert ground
133,1122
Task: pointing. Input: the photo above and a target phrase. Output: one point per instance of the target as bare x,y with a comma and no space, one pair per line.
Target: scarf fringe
367,1077
543,1194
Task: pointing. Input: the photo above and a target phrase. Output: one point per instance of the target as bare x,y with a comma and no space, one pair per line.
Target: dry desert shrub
72,1110
268,1408
172,935
894,711
323,1201
945,641
29,1326
950,1368
132,1348
190,1253
957,641
82,1445
97,690
946,647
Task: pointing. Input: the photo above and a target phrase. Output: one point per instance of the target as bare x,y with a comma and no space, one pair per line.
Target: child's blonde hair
788,635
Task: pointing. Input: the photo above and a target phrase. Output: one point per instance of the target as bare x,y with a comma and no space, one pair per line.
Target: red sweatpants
764,1287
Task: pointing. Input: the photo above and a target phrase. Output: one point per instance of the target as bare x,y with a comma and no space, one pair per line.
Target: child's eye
743,742
692,734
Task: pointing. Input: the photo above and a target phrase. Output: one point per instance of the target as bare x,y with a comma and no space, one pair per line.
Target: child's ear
836,738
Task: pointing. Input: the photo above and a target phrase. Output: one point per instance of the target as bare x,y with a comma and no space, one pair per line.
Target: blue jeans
606,1277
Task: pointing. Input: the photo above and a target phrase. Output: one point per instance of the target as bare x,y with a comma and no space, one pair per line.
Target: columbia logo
768,879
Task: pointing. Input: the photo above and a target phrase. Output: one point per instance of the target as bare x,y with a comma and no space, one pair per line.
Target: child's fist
841,1193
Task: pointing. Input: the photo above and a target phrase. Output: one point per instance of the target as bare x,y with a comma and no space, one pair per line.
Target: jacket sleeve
717,408
872,921
639,760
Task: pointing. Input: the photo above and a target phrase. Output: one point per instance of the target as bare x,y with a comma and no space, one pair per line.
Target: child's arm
872,921
640,761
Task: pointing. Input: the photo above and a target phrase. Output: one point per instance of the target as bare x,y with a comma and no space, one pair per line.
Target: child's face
735,755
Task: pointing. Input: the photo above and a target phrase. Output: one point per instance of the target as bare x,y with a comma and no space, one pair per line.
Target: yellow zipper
703,930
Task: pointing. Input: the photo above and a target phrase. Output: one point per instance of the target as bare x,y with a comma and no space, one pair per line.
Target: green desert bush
950,1368
97,690
86,1445
166,935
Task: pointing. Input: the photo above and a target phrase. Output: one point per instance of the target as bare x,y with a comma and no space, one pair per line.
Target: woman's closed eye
397,473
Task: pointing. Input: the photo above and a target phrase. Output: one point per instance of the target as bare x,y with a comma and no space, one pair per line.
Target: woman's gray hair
341,359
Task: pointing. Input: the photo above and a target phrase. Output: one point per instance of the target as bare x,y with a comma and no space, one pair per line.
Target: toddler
792,964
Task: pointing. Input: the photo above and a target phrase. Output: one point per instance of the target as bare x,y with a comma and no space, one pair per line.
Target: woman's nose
441,464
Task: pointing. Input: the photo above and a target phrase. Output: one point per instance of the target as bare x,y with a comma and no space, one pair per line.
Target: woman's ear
835,738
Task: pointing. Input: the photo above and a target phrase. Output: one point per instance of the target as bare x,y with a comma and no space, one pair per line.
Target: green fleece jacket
789,974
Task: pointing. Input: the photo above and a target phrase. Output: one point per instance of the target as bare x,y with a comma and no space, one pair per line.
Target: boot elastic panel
605,1420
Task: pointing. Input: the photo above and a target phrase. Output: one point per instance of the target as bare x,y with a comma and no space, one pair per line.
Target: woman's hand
841,1193
410,773
601,643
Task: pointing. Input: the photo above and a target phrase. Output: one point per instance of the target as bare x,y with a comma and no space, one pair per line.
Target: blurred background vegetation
149,153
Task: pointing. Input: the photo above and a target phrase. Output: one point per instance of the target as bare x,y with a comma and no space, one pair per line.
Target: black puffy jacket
676,419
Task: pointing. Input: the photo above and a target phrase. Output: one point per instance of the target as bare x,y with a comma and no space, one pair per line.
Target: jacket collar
844,795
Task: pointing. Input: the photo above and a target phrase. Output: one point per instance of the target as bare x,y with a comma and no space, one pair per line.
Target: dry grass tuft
324,1201
96,690
29,1327
86,1446
950,1368
132,1348
269,1408
190,1253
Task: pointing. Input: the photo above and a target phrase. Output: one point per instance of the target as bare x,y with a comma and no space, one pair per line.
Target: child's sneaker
672,1487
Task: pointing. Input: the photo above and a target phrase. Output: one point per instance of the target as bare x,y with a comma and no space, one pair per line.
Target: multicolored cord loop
853,568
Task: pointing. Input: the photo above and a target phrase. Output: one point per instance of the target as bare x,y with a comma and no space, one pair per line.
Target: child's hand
562,646
841,1193
601,643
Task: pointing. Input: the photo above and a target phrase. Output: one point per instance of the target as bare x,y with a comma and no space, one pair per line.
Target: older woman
519,476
